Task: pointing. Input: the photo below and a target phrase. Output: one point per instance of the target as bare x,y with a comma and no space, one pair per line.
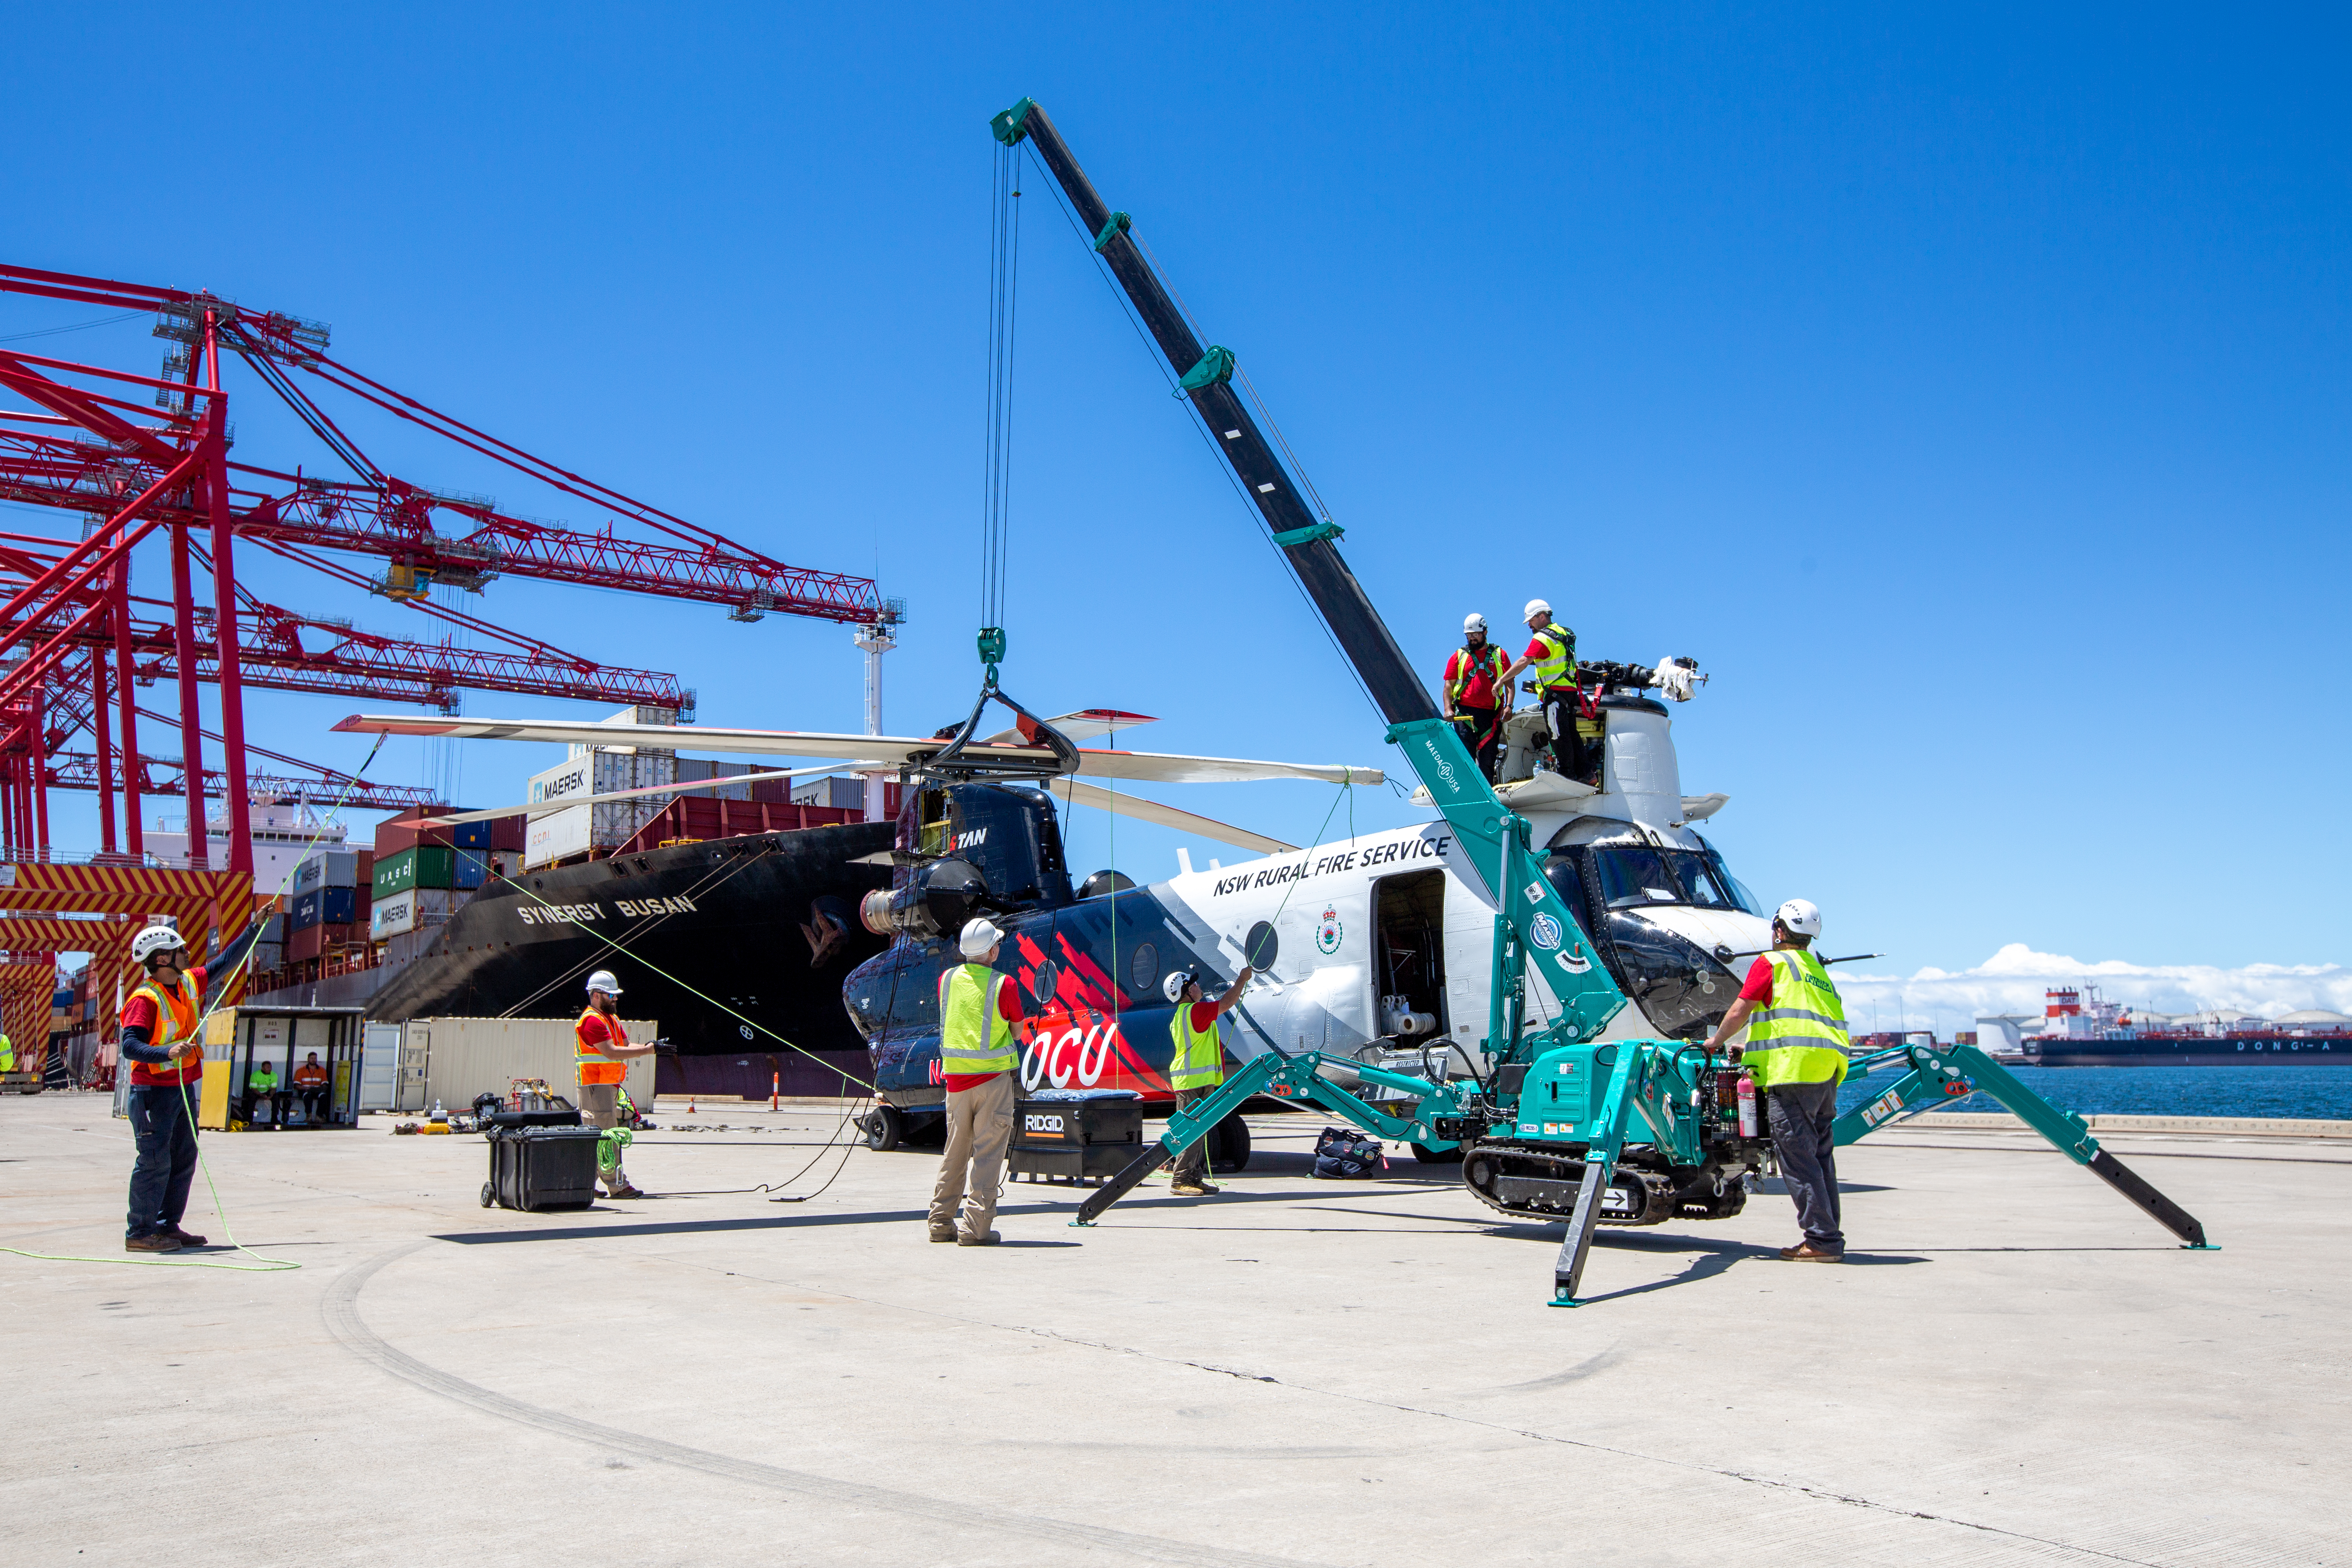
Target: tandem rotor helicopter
1519,985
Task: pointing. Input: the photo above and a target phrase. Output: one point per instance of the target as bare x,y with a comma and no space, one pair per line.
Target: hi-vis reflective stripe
1775,1015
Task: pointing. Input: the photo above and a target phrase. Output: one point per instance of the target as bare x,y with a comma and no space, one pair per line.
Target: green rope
1348,794
265,1265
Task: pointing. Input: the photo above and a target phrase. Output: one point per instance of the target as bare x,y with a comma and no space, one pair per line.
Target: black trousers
1800,1116
1483,735
1560,707
162,1127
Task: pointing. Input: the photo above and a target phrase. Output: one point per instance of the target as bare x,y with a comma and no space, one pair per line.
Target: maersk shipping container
467,1057
330,868
407,911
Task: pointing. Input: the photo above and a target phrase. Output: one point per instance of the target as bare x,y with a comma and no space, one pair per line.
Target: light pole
875,639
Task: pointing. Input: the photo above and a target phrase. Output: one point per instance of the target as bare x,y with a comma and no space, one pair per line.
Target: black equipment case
536,1168
1075,1134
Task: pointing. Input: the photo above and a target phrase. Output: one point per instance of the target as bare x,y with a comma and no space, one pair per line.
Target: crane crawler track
1540,1181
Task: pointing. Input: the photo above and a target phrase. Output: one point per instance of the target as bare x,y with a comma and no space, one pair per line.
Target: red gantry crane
137,454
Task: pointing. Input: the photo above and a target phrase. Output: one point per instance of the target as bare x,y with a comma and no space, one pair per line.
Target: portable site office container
468,1057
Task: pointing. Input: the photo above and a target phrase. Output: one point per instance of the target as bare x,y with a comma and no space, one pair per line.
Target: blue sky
1967,393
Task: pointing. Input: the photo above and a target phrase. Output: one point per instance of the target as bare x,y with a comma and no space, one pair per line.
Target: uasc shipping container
421,865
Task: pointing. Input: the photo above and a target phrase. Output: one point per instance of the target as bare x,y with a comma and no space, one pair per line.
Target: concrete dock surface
2013,1366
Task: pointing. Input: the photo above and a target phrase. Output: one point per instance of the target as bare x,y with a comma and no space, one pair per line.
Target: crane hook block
1217,368
1113,226
1013,124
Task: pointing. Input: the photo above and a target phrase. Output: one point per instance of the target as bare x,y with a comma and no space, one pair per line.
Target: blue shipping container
305,912
473,867
470,836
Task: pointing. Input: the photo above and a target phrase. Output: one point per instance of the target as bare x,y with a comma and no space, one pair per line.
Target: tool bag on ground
1342,1153
536,1168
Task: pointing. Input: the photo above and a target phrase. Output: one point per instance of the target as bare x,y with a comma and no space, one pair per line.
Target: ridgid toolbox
1075,1134
540,1167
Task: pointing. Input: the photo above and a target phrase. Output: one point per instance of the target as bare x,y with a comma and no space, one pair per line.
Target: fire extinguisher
1748,1105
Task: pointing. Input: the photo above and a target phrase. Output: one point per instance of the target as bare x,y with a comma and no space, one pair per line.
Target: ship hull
705,938
2213,1051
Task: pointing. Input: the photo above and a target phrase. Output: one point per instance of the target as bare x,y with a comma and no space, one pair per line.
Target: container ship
713,916
2081,1028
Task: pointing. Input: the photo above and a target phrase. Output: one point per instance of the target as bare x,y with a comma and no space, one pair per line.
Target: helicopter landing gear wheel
885,1127
1229,1146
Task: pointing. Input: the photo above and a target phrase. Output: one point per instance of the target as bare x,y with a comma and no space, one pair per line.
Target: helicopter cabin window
1741,897
1562,871
1697,878
1633,875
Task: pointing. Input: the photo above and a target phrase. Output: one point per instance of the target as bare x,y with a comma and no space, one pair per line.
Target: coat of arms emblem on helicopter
1329,930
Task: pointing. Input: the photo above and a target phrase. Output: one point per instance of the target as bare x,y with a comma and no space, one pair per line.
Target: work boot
1806,1252
991,1239
944,1233
184,1238
1192,1189
154,1241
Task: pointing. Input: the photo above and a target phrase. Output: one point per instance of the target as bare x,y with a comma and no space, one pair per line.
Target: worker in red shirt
602,1054
1196,1066
1796,1047
977,1053
1477,696
161,1024
1551,660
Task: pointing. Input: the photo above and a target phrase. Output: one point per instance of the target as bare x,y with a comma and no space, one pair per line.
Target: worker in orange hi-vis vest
161,1023
601,1053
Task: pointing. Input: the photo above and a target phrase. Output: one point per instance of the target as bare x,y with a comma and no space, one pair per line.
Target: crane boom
1533,921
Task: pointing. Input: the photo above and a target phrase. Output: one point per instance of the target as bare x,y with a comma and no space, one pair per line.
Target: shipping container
402,912
401,832
421,865
468,1057
471,834
330,868
469,869
273,929
304,942
268,955
507,833
326,906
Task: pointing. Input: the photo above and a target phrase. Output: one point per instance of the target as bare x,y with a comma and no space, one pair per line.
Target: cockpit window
1740,897
1700,886
1632,876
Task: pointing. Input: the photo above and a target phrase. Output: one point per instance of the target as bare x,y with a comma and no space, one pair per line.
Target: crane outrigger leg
1949,1071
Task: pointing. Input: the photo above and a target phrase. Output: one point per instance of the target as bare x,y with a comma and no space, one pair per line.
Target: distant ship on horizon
2079,1027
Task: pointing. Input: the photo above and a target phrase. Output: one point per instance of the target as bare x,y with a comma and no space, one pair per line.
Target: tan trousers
980,1124
600,1106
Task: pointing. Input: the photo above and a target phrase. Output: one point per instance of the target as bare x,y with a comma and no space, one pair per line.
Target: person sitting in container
311,1085
259,1084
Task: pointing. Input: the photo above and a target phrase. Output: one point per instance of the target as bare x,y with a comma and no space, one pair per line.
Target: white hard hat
1474,622
154,940
603,980
979,935
1535,607
1176,982
1799,917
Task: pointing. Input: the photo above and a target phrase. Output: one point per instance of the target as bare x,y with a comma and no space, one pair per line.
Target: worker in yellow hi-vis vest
1797,1049
978,1007
1197,1066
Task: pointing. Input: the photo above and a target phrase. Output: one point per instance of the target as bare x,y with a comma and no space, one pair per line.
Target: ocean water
2322,1093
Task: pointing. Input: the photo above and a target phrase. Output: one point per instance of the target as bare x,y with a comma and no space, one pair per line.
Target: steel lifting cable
1003,291
269,1264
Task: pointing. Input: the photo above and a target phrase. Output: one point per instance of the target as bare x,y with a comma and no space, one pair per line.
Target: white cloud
2013,981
